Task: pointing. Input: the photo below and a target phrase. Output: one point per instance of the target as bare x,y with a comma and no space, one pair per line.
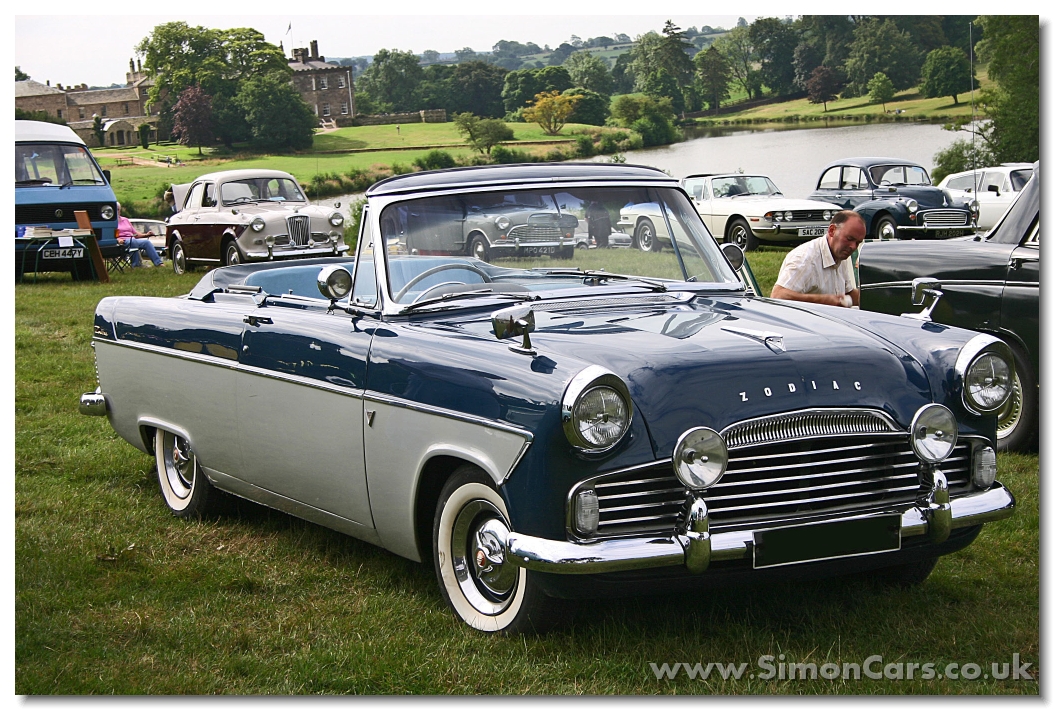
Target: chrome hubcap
739,237
478,556
645,237
1010,413
479,250
180,465
232,255
887,231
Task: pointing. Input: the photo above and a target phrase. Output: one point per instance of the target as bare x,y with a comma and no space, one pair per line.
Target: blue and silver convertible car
544,429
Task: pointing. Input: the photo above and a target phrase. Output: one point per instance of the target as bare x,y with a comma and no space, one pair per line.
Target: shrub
435,160
584,146
502,155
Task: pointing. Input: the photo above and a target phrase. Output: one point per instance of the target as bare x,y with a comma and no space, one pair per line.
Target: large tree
878,46
551,110
591,108
589,71
20,75
278,118
477,88
774,41
946,72
822,86
880,90
482,133
392,79
738,50
192,118
1011,48
714,76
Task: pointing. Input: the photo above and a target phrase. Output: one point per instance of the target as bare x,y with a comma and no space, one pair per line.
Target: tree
192,118
592,108
622,76
659,84
878,46
20,75
482,133
465,54
1011,48
97,129
774,42
551,110
738,50
714,76
277,116
650,117
430,56
392,79
560,54
823,86
522,85
476,88
960,156
144,135
589,71
880,90
946,72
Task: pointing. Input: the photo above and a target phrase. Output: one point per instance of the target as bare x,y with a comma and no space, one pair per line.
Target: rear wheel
231,255
645,236
184,487
1017,418
740,234
484,590
179,258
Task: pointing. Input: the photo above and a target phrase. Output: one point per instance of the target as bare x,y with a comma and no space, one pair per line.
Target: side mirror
920,289
512,323
334,282
106,174
734,254
994,188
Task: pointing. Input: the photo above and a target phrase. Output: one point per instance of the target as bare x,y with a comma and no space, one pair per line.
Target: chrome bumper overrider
694,547
94,404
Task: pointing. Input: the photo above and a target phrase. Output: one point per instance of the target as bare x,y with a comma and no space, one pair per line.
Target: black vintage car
988,283
896,199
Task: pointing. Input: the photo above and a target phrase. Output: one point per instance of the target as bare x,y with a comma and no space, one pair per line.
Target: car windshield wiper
469,294
34,181
603,275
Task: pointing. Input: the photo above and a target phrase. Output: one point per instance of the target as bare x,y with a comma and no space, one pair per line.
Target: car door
843,185
1019,309
300,407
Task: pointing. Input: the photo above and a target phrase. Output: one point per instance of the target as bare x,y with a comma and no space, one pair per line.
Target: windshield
744,185
55,164
899,175
529,241
261,190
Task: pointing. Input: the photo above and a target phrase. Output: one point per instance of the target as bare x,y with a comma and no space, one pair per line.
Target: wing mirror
994,188
512,323
734,254
920,289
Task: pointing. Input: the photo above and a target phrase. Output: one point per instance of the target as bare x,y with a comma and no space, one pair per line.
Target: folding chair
120,260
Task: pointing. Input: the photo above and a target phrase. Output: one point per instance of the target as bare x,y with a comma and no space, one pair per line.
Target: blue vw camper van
56,175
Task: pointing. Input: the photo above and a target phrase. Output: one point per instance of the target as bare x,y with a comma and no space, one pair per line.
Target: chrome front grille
536,233
807,216
299,227
807,424
946,218
777,481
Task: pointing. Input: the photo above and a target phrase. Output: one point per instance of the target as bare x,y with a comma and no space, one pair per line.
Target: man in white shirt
821,271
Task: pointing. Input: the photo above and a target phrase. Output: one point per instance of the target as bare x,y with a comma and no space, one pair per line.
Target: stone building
327,88
122,109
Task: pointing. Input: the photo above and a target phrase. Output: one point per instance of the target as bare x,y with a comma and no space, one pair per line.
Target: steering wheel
435,270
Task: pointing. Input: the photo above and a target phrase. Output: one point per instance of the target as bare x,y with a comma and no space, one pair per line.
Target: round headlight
988,382
334,282
974,205
502,223
700,458
827,214
257,224
912,205
775,216
934,432
596,409
789,216
601,417
336,219
107,212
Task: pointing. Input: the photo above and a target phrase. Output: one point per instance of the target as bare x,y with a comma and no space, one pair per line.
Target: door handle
257,320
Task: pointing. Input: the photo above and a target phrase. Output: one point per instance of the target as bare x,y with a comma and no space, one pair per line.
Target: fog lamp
984,467
334,282
934,432
585,512
269,241
700,458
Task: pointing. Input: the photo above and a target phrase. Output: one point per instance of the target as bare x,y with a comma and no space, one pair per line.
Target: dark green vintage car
988,283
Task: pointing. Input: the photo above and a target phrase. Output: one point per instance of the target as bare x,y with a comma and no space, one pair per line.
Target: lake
793,157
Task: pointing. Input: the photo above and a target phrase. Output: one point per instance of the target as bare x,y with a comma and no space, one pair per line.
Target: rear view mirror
512,323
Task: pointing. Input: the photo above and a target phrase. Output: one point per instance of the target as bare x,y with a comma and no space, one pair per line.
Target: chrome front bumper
694,547
296,252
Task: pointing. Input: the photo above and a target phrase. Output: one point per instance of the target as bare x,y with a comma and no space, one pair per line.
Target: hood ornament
773,341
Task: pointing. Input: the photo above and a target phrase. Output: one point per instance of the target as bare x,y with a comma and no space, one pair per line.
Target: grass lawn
115,595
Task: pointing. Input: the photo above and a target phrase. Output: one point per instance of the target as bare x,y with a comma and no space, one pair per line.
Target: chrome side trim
808,424
618,555
944,282
448,414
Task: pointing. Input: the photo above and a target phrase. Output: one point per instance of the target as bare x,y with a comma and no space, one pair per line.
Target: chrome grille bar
945,218
805,424
299,227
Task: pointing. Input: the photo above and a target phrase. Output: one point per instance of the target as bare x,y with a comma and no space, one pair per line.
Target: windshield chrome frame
387,306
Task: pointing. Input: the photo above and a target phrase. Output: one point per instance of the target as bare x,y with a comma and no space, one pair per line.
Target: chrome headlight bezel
912,205
107,212
336,219
258,224
930,417
827,215
502,222
978,347
593,378
700,458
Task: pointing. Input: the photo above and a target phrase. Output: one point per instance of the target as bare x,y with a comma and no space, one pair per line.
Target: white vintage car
995,189
749,210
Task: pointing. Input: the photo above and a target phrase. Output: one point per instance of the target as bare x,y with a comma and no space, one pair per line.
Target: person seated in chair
135,240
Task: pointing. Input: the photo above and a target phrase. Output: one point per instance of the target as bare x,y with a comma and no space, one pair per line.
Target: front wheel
186,491
645,235
484,590
478,248
231,255
179,257
740,234
885,229
1017,418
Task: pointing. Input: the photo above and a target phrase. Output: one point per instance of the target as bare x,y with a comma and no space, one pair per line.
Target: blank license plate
63,253
826,541
812,232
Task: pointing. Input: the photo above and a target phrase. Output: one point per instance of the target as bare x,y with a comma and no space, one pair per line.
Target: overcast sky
39,53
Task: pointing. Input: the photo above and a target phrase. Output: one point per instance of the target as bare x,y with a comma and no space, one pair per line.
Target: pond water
793,157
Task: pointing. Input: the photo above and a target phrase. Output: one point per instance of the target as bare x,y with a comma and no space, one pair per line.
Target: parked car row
541,431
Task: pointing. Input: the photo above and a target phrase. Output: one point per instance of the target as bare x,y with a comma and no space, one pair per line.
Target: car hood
927,196
707,362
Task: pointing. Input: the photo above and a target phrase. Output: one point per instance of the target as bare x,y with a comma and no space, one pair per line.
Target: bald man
821,271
